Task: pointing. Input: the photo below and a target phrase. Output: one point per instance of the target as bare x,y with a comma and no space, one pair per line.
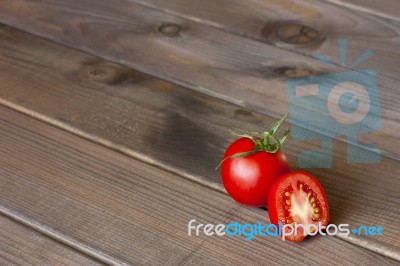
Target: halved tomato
298,198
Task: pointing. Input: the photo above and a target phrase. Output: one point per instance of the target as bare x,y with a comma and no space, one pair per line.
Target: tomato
248,179
298,198
252,163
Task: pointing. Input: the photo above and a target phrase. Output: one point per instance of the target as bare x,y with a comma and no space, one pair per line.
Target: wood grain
384,8
115,207
261,19
20,245
246,72
177,129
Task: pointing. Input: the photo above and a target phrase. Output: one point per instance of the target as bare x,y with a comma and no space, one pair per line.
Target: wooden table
114,115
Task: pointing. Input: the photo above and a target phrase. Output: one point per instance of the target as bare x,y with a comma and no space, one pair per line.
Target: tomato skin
276,200
248,179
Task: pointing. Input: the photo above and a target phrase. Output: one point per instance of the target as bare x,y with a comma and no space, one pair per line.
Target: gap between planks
23,245
59,236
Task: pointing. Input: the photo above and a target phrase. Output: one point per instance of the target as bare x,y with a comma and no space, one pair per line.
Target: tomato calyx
267,141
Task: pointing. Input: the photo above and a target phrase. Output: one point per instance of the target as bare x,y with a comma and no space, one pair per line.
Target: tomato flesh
298,198
248,179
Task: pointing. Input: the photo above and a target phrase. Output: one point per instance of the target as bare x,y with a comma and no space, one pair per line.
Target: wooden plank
175,128
20,245
131,213
246,72
262,20
384,8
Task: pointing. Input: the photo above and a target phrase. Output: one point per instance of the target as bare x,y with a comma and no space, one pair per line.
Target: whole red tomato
251,164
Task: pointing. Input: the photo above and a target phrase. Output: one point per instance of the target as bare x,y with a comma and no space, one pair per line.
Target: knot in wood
294,72
107,73
292,34
170,29
297,34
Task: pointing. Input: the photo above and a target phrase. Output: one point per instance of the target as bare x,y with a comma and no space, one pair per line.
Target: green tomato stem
262,143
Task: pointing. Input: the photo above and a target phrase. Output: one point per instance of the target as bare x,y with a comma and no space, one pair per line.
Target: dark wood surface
385,8
20,245
147,118
123,211
232,67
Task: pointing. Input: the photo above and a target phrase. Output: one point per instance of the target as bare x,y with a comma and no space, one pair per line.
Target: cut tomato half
298,198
